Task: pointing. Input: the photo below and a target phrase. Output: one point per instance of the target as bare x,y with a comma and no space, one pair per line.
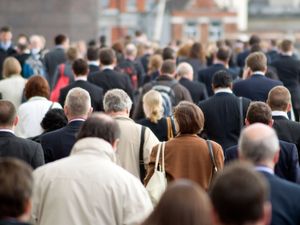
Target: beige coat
88,188
129,145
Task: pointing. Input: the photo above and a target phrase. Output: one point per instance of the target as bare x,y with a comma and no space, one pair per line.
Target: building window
131,5
215,31
191,30
104,4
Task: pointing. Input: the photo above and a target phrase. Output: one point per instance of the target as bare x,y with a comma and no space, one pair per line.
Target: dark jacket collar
6,134
279,118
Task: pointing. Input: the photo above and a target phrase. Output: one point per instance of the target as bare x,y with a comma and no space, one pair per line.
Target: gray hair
116,100
130,50
78,101
184,69
258,142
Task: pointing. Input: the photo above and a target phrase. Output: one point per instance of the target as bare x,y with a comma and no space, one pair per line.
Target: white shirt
223,90
31,114
280,113
264,169
84,78
258,73
110,67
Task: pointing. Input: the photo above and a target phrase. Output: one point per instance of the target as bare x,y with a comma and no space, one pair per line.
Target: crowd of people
85,128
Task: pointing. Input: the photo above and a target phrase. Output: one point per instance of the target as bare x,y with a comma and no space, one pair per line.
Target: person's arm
38,157
151,164
294,165
150,141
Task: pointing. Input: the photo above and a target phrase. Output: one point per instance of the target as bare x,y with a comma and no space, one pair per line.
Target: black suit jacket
288,71
222,118
287,130
95,92
93,68
110,79
197,89
256,87
58,144
285,198
24,149
205,76
287,166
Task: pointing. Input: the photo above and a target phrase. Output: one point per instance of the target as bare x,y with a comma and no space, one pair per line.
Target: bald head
185,70
258,143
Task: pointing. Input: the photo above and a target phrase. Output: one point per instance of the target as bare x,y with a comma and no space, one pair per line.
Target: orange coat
187,156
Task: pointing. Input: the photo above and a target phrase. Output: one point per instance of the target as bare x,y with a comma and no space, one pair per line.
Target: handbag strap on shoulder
211,154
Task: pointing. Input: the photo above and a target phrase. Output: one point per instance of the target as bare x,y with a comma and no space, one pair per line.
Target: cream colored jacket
88,188
129,145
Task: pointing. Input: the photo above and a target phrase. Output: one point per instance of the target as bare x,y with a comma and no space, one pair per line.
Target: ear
276,157
289,107
115,144
26,211
66,110
267,214
16,121
231,85
247,123
215,217
90,111
271,123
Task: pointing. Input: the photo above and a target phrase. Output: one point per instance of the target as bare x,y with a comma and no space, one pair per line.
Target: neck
217,61
70,118
121,113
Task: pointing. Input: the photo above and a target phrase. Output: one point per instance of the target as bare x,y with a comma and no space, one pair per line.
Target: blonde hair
153,106
11,66
155,63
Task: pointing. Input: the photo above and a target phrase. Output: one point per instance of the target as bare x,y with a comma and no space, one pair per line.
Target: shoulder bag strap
50,107
163,156
141,154
211,154
241,112
169,128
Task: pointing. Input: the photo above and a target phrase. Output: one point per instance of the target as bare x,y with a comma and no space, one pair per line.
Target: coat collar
94,146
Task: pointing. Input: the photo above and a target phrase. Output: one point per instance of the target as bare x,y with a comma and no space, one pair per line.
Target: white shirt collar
223,90
94,63
264,169
110,67
280,113
84,78
7,130
77,119
258,73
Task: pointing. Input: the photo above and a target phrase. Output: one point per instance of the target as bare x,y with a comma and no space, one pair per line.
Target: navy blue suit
287,166
285,198
255,88
58,144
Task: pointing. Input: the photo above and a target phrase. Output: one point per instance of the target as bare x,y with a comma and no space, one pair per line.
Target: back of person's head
184,202
130,50
11,66
153,105
54,119
78,103
279,98
15,190
239,196
60,39
189,118
168,67
257,61
168,53
107,56
254,39
101,126
155,63
80,67
259,112
72,54
258,143
185,70
92,54
286,45
5,29
7,113
116,100
221,79
223,54
256,48
197,51
37,86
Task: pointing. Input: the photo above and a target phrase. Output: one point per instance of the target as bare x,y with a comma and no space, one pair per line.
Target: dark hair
256,61
286,45
92,54
102,126
54,119
168,67
37,86
80,67
60,39
16,187
5,29
259,112
189,117
107,56
221,79
7,113
197,52
254,39
168,53
223,53
238,194
256,48
184,202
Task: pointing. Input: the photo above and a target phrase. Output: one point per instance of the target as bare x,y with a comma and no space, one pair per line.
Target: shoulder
53,134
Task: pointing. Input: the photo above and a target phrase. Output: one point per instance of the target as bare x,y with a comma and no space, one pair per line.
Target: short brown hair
16,187
37,86
80,67
286,45
257,61
7,113
279,98
168,67
259,112
11,66
72,54
107,56
189,118
246,202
